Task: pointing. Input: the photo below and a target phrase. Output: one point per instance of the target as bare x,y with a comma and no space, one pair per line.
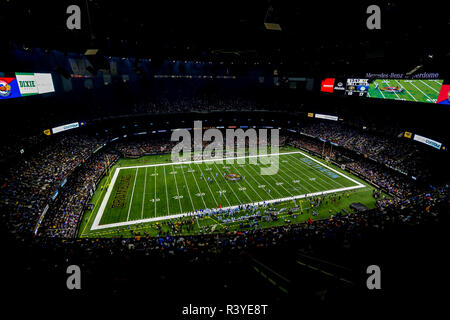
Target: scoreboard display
421,89
357,87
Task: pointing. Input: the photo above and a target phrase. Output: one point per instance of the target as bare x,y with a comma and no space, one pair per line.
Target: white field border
96,224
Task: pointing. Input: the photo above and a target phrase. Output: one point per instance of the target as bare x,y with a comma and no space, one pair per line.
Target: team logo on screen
233,177
339,86
5,89
362,88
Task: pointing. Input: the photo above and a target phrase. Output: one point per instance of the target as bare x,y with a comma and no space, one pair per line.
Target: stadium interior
87,178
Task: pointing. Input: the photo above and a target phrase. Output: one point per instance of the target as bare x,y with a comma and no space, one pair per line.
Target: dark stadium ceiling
315,36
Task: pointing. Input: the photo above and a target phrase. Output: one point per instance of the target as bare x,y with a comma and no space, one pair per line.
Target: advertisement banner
44,82
9,88
430,142
27,84
327,117
65,127
339,86
444,94
327,85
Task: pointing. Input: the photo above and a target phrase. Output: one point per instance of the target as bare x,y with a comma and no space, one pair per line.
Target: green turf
171,189
413,90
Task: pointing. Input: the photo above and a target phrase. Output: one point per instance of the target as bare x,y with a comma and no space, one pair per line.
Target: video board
427,90
357,87
400,87
25,84
343,86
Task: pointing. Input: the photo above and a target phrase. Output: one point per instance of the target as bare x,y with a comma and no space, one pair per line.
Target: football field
406,90
153,192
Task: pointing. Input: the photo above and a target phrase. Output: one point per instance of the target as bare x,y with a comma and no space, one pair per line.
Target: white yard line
420,90
132,193
299,169
234,166
212,193
323,179
267,182
395,92
306,176
143,194
189,191
167,194
275,185
302,178
381,91
176,185
220,188
246,194
96,225
429,86
406,90
199,191
254,179
154,200
334,170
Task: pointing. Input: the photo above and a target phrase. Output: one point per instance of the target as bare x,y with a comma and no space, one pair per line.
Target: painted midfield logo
233,177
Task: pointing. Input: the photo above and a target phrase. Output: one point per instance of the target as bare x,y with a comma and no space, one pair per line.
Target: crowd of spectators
27,186
204,103
144,147
63,218
391,181
424,208
390,151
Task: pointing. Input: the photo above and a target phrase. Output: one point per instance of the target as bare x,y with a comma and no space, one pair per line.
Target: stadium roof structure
313,36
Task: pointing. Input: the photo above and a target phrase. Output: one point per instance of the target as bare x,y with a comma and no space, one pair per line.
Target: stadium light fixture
272,26
90,52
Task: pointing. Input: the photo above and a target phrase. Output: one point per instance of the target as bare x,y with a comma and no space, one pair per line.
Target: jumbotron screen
407,90
415,90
